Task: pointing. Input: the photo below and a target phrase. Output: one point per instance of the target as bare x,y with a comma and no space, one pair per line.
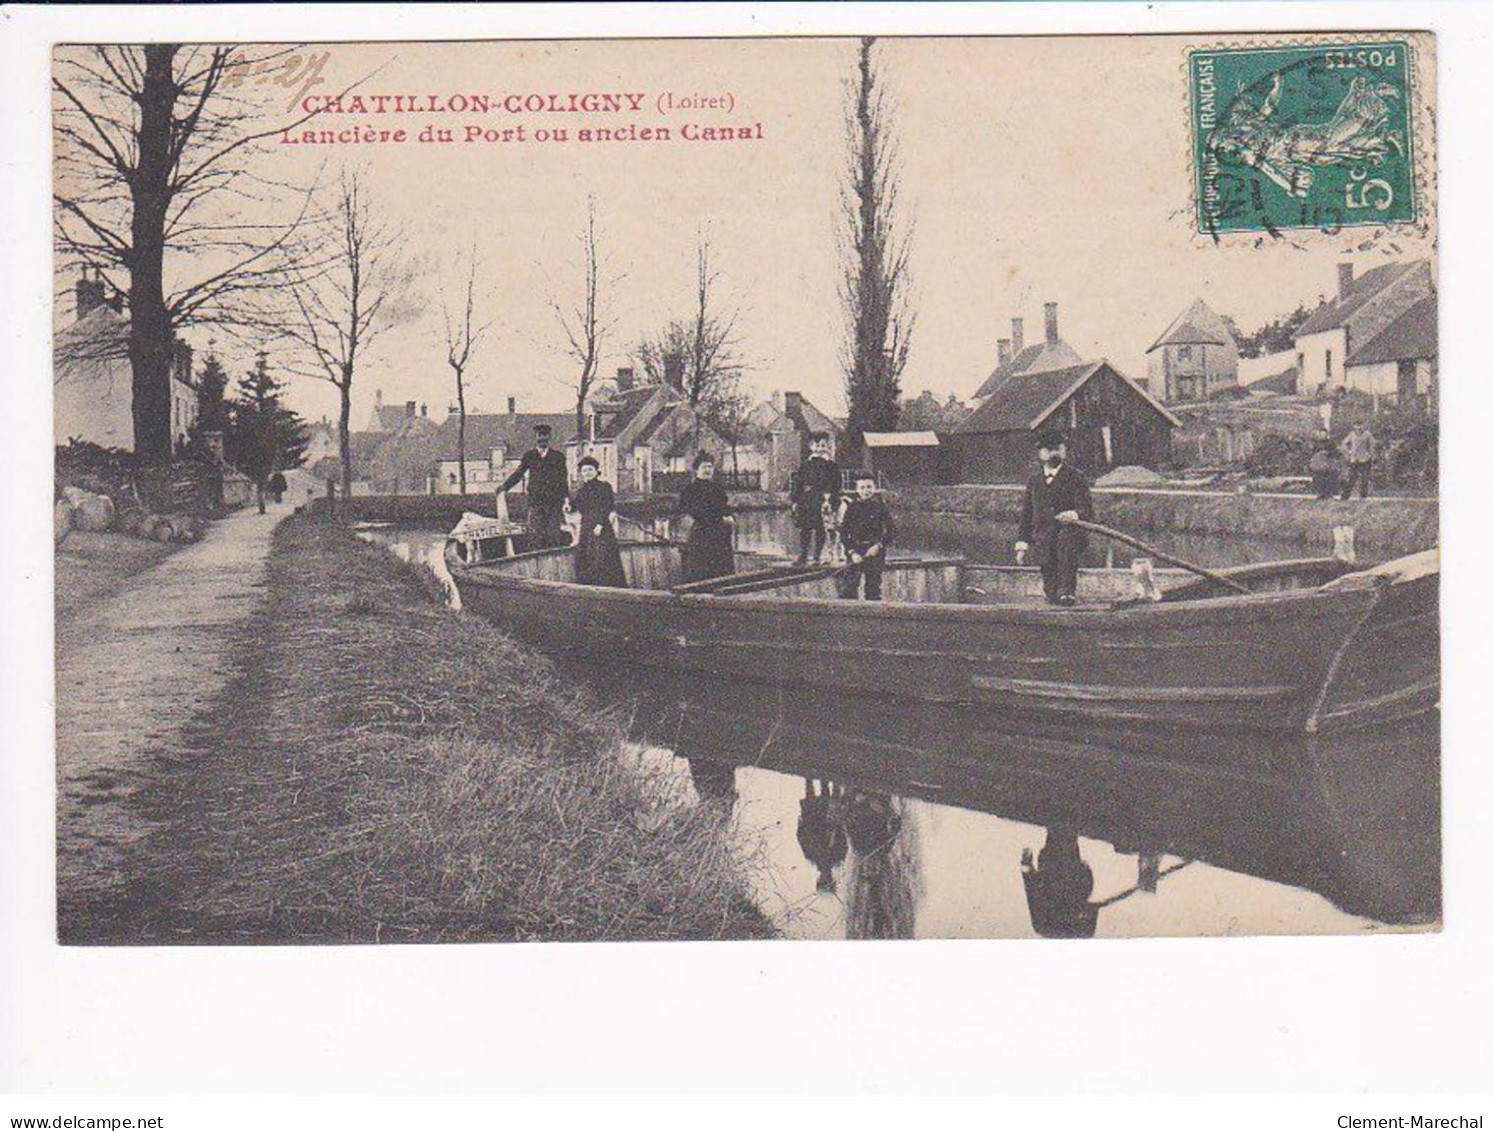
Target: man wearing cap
549,486
1055,496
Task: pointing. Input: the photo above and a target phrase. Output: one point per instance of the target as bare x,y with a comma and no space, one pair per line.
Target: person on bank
597,559
709,551
1323,465
816,488
548,487
866,530
1055,496
1358,453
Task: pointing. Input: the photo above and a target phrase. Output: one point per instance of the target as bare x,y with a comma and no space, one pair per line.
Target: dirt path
134,670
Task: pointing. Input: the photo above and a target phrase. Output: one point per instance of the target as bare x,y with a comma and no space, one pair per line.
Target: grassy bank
386,770
92,565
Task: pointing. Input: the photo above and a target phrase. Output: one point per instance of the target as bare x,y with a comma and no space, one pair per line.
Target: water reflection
877,821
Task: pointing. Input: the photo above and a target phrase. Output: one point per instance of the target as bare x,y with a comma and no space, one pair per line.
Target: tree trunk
461,433
150,325
344,439
259,496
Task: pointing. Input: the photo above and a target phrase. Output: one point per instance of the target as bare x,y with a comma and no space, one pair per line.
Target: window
1329,365
1184,353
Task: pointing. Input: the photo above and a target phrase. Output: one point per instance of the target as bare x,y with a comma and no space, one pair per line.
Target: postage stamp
1307,136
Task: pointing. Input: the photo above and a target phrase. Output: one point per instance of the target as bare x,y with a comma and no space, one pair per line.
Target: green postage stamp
1308,136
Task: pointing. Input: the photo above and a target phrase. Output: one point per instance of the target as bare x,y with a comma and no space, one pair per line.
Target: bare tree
154,191
699,356
338,308
461,342
585,324
875,287
728,414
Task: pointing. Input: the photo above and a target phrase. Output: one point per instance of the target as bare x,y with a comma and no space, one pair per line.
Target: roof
1198,325
1039,358
512,431
1027,399
615,414
1409,337
901,439
806,415
1330,315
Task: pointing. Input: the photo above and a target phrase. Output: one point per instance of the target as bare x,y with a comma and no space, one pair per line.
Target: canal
862,819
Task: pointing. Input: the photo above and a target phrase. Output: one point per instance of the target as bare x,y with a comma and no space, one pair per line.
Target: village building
1195,358
1364,308
643,436
93,382
495,443
1109,421
905,459
1399,362
1014,356
781,427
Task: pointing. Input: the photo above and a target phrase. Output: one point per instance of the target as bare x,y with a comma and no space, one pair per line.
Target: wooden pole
1160,555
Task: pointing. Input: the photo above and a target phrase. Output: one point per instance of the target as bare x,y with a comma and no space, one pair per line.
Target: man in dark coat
866,530
816,485
1056,495
549,487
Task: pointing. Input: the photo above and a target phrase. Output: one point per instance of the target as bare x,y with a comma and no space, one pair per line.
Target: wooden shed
905,459
1108,420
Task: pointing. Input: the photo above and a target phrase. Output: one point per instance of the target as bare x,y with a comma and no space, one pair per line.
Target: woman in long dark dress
707,552
597,559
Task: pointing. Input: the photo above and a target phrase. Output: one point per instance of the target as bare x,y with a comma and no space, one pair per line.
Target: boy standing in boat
818,487
549,487
1055,496
866,530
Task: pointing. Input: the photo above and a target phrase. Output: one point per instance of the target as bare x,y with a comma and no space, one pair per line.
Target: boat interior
919,580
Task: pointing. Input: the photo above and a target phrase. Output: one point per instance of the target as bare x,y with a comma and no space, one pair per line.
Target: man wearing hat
1055,496
549,485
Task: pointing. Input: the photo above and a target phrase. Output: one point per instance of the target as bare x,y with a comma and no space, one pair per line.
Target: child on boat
866,530
1055,496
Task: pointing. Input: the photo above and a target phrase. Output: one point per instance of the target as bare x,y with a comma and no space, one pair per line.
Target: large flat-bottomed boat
1316,644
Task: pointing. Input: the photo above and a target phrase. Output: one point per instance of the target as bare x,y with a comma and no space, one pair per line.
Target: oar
648,536
1161,555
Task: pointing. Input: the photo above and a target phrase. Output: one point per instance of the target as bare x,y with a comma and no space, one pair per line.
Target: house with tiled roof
1194,358
495,442
93,391
1014,356
782,427
1108,420
1400,360
1365,306
642,435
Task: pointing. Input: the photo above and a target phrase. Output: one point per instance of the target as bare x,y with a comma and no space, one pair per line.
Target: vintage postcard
802,488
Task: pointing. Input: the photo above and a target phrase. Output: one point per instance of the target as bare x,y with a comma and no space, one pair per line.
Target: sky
1033,170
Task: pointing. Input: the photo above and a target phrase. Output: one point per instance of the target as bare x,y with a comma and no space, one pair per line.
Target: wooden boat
1315,643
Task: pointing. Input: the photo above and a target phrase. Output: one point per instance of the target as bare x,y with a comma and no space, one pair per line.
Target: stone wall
1383,527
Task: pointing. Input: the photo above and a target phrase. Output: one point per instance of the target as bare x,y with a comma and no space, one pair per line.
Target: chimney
512,406
674,372
409,410
1003,351
1018,337
1050,316
89,293
793,406
625,379
1344,280
424,409
378,398
777,400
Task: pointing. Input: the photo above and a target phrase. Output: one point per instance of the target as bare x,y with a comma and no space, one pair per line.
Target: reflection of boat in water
1314,646
1354,818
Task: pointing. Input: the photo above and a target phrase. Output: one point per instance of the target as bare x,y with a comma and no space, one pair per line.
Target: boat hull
1264,662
